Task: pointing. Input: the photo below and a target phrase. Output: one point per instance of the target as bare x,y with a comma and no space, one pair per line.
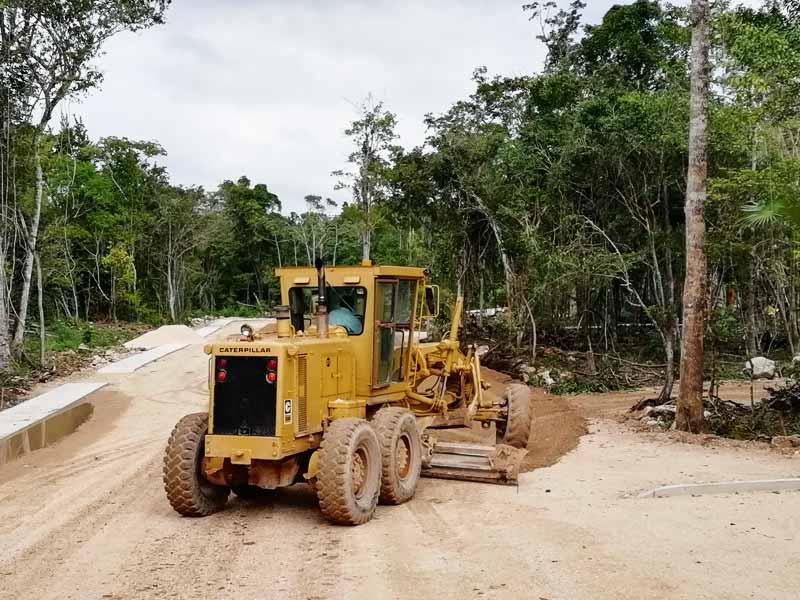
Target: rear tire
349,474
401,454
517,429
188,491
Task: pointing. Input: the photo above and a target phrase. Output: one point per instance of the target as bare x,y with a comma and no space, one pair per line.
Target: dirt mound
168,334
555,430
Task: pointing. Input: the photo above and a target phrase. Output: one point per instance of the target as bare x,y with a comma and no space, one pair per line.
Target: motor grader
343,392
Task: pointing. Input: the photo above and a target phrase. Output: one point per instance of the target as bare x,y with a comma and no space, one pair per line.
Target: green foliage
558,194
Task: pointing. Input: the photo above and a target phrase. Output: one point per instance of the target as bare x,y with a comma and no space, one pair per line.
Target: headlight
246,331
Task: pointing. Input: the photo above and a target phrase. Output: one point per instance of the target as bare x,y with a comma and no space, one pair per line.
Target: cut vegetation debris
774,419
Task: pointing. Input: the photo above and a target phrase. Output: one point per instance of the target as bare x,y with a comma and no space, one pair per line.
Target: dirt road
87,518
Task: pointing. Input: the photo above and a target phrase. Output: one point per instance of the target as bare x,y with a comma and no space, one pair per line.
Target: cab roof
362,271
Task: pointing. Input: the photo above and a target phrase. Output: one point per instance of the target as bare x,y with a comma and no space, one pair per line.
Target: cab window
347,306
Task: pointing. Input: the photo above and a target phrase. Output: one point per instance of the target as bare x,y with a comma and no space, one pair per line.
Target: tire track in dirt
48,550
85,462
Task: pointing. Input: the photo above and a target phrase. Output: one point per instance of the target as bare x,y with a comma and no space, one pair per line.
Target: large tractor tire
349,472
187,489
401,454
516,431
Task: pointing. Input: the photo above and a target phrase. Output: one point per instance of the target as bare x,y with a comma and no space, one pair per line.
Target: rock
482,351
786,441
647,410
796,359
83,347
706,413
664,409
760,367
651,422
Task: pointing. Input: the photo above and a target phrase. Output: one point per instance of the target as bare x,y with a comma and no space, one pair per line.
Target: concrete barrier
724,487
44,419
137,361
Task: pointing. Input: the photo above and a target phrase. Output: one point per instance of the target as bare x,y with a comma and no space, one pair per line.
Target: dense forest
558,194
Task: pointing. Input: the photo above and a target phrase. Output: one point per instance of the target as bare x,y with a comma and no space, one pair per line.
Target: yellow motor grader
344,393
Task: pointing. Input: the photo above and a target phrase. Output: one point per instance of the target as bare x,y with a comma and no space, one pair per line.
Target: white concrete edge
31,412
214,326
725,487
137,361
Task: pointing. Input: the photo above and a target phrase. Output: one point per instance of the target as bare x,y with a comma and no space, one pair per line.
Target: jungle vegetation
558,194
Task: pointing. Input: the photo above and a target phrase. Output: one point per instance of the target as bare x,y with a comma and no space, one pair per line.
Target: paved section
137,361
44,419
725,487
213,327
38,409
87,518
166,334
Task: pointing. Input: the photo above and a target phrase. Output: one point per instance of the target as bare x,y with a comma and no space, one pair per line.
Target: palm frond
761,214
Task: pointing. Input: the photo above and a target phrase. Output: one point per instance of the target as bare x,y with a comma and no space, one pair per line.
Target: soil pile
556,428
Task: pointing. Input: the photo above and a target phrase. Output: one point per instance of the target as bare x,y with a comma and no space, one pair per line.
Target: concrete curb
42,420
725,487
137,361
213,327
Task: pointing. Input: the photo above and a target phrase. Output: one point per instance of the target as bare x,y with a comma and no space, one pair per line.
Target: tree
372,135
49,46
689,416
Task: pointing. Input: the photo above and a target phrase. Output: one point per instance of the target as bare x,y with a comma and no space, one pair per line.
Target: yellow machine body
268,436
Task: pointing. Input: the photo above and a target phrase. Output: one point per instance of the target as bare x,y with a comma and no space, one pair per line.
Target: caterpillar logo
245,350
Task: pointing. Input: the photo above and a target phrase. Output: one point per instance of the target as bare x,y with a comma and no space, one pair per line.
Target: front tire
401,454
349,474
516,431
188,491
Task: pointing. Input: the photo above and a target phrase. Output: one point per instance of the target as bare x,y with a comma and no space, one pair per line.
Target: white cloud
266,89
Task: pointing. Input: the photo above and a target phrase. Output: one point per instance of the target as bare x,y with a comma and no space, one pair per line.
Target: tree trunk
5,345
671,316
40,298
366,243
30,250
669,366
171,290
689,415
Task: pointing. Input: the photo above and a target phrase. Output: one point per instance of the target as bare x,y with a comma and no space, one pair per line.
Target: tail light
272,369
220,374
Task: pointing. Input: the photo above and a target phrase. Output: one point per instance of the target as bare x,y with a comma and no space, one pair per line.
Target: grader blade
474,462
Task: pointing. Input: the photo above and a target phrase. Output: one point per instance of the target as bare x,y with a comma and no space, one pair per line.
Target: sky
266,88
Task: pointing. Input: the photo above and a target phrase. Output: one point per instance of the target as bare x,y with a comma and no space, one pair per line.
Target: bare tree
689,415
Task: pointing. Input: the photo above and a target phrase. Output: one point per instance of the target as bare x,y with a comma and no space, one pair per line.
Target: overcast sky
266,88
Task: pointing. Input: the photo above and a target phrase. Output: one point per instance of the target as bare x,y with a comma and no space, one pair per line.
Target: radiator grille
244,404
302,395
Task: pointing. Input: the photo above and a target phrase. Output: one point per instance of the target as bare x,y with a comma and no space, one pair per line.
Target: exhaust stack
284,325
322,300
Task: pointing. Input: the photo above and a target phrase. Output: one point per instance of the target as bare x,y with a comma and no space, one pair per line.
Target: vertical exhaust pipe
284,325
322,300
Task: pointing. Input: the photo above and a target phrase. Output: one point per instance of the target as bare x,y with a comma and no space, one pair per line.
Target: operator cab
375,305
347,307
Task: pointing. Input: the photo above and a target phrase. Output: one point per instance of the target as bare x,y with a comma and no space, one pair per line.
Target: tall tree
372,135
689,416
